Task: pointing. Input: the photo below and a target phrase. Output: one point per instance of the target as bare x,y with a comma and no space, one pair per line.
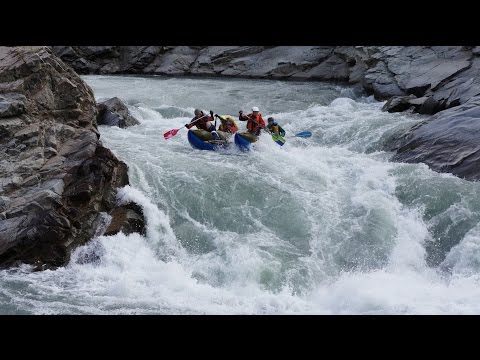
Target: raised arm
242,117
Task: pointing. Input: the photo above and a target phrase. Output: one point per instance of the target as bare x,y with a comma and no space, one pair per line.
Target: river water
325,225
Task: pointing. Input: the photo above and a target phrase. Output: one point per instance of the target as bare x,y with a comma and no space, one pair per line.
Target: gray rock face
114,112
11,104
447,142
448,74
247,61
460,88
55,175
177,61
108,59
399,103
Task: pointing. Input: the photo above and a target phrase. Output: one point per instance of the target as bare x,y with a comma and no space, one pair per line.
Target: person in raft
274,128
203,122
255,122
227,124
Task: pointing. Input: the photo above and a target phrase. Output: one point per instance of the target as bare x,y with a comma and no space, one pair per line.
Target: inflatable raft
204,140
244,140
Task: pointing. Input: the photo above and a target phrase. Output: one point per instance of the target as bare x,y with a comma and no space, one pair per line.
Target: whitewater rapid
326,225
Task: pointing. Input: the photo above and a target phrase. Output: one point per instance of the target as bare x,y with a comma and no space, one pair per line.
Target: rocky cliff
56,177
446,76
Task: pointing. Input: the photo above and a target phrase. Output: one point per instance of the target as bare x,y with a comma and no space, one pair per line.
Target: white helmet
255,108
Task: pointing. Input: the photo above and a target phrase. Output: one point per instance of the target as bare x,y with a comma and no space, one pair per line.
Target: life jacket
276,129
201,124
227,124
254,125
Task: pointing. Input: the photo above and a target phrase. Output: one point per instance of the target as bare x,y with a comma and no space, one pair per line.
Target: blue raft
244,140
203,140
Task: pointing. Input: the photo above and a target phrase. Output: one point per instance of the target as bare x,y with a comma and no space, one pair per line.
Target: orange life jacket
255,124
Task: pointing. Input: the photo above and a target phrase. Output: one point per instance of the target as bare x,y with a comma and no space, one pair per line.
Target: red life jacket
254,124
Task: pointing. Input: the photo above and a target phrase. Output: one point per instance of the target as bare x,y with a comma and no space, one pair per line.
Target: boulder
424,105
114,112
446,142
398,103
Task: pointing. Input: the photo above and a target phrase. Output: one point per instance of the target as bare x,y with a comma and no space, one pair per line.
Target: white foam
159,231
405,292
464,258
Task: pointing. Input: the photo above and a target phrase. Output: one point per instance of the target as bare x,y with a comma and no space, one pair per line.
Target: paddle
278,139
275,137
304,134
281,141
173,132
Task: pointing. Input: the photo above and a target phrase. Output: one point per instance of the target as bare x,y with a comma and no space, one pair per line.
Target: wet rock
127,219
447,142
398,103
424,105
90,254
428,106
114,112
56,177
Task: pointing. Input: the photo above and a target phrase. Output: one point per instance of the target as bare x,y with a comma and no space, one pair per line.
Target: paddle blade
304,134
170,134
278,139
